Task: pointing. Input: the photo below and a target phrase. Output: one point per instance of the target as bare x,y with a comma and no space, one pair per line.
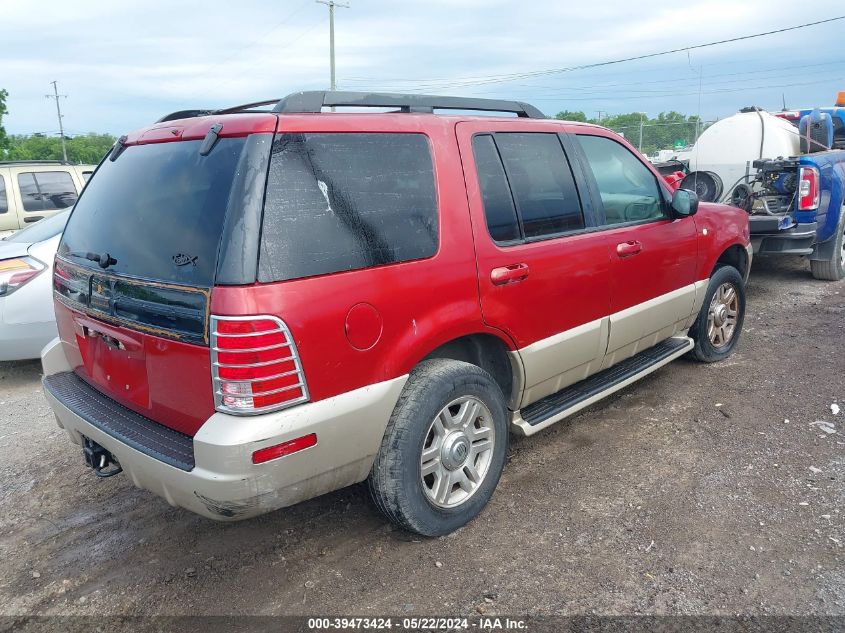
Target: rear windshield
158,210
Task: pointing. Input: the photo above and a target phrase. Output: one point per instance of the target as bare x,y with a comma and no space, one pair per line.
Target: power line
287,44
618,97
253,42
492,79
677,82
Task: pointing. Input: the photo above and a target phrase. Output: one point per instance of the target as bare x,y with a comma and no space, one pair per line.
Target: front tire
444,448
718,326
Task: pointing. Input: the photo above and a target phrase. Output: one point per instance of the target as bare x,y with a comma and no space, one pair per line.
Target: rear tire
719,323
833,269
448,429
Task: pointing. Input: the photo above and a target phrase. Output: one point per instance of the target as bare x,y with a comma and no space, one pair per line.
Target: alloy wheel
722,315
457,452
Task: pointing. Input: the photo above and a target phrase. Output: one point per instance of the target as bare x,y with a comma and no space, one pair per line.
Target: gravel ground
703,489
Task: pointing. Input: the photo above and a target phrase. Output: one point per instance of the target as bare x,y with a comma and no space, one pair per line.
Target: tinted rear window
4,205
338,202
542,183
495,193
158,210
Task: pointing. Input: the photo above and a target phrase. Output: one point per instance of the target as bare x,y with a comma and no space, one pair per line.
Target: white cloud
123,64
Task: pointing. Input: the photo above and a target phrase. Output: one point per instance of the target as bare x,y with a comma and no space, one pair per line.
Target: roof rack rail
35,162
314,101
184,114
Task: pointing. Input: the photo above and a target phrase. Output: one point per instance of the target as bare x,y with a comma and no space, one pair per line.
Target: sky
125,63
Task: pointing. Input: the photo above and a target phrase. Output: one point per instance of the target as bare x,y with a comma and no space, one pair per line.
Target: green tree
660,132
571,115
4,140
86,149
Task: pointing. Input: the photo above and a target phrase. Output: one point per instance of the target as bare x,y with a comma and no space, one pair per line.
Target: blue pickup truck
796,205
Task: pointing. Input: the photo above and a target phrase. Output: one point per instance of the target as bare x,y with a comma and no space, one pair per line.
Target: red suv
262,304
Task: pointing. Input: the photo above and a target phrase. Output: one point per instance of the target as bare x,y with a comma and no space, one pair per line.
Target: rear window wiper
105,260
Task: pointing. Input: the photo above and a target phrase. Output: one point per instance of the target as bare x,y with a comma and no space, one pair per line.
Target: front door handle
508,274
33,218
629,248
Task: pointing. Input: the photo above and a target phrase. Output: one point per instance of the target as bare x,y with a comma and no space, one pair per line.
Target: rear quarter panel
421,304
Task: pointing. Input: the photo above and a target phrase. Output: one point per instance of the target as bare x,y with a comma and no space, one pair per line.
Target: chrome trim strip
291,344
250,349
243,334
250,380
262,393
262,364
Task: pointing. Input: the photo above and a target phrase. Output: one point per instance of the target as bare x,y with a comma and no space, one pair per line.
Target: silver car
27,319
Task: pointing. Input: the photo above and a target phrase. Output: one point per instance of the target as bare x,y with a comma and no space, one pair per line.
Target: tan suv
32,190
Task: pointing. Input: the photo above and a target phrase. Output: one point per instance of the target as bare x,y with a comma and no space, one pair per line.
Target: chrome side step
556,407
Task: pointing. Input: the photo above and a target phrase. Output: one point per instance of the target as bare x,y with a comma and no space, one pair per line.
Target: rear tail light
255,366
808,189
16,272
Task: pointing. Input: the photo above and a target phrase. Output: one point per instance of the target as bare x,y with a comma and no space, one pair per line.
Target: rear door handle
629,248
508,274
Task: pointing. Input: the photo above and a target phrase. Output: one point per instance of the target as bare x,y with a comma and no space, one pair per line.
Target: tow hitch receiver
99,459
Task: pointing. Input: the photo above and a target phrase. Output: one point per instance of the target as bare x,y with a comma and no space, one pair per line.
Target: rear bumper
222,482
767,239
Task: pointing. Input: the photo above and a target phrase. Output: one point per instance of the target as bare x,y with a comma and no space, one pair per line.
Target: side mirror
684,203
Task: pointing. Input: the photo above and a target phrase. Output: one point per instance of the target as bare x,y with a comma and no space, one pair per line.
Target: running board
556,407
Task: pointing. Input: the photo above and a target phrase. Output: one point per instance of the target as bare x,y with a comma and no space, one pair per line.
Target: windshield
157,211
41,230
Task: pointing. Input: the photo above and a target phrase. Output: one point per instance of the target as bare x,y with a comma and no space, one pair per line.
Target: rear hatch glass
134,271
157,210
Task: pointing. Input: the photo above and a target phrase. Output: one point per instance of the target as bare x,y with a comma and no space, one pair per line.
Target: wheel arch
492,354
736,256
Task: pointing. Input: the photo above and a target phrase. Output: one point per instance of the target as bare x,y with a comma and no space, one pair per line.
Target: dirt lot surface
700,490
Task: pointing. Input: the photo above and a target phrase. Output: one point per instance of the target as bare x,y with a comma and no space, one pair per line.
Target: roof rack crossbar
315,101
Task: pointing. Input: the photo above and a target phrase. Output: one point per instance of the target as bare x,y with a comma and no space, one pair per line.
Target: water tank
727,147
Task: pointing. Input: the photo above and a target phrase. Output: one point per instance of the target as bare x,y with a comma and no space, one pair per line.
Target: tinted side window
629,190
338,202
4,204
46,190
542,183
495,193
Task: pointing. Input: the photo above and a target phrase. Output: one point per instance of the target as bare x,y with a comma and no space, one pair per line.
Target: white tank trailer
721,158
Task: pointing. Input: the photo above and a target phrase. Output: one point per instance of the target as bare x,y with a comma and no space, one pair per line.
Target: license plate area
115,359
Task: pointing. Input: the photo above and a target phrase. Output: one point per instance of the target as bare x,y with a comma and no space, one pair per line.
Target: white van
37,189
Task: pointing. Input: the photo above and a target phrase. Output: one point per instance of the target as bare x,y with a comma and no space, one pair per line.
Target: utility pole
56,96
640,145
600,112
331,4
